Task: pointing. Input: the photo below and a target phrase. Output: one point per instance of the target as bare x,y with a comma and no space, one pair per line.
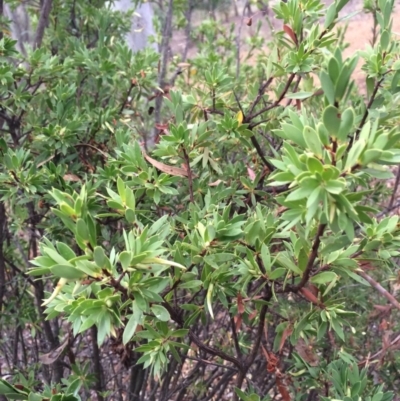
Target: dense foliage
250,254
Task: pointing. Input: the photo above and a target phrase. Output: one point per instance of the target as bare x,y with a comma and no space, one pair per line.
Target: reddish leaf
306,352
288,30
282,389
240,304
310,296
383,326
251,173
286,333
249,22
253,314
238,322
313,289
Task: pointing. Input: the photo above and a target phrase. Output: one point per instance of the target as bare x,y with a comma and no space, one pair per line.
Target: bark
142,25
20,26
43,22
97,368
2,261
167,32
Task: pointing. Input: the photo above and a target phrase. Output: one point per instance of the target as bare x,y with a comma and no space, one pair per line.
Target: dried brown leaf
176,171
286,333
240,304
52,356
71,177
215,183
282,389
306,352
238,322
251,173
253,314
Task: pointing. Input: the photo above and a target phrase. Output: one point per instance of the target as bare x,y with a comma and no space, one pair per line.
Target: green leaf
82,230
369,156
99,256
125,258
327,86
65,251
67,271
330,15
284,261
160,313
337,327
354,154
314,165
323,277
277,273
131,326
336,244
335,186
346,124
299,193
331,120
312,140
121,189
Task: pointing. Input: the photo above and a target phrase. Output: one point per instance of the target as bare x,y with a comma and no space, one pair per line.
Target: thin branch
235,339
214,351
167,32
88,145
379,288
396,186
3,227
190,176
43,22
126,98
311,259
210,363
238,41
296,86
260,94
371,100
392,343
260,330
277,101
261,153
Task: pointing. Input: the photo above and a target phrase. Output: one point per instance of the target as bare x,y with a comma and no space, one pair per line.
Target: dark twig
190,176
213,351
235,339
371,100
261,153
275,104
126,98
311,260
260,94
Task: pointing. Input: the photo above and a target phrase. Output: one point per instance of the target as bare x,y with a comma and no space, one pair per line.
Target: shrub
242,256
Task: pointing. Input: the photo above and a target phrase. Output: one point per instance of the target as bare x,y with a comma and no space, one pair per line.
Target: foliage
240,257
